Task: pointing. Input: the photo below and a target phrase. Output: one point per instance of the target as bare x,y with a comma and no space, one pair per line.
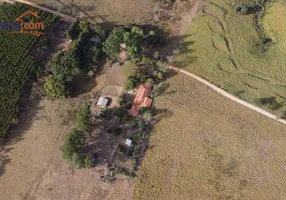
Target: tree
74,143
111,46
160,75
56,88
130,83
130,36
130,69
73,31
83,118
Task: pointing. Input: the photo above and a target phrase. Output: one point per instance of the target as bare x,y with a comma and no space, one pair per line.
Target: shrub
120,113
160,75
162,66
150,81
77,161
74,143
117,131
83,118
73,31
130,83
106,113
87,162
130,69
56,88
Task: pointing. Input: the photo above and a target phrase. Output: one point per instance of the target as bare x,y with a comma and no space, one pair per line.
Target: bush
56,88
150,81
120,113
130,83
130,69
73,31
117,131
74,143
83,118
77,161
87,162
160,75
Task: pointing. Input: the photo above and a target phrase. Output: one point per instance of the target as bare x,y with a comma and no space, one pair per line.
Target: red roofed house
141,100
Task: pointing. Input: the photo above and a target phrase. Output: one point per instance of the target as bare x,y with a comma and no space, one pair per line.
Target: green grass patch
242,53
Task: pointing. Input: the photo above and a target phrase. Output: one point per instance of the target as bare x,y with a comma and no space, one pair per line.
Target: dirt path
228,95
67,18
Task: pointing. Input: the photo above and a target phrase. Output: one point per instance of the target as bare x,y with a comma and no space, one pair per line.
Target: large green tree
56,88
74,143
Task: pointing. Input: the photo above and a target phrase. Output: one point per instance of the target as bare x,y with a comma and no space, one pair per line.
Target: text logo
29,27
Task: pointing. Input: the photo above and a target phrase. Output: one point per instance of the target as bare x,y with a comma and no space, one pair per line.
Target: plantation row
15,62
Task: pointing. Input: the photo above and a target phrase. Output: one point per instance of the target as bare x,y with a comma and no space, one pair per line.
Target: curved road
228,95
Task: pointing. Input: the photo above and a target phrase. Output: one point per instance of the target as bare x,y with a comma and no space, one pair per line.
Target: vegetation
242,53
73,31
201,154
15,62
73,148
56,88
131,37
81,58
73,145
130,69
83,118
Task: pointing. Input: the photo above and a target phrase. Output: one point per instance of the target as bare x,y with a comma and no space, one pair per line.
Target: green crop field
15,62
244,53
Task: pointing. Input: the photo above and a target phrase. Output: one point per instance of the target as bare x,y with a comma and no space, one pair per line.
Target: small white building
102,102
128,142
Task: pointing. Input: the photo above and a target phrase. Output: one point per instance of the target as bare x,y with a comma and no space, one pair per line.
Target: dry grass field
209,148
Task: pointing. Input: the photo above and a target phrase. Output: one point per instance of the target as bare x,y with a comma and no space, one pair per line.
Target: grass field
209,148
241,54
15,62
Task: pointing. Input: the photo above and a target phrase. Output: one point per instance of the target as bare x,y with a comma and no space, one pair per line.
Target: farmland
15,62
208,147
242,53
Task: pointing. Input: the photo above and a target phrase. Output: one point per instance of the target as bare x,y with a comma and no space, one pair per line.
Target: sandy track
67,18
228,95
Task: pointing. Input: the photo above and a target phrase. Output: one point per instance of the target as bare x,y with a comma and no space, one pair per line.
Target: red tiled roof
141,99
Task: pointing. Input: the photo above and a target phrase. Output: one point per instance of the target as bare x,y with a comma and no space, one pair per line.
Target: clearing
241,53
208,147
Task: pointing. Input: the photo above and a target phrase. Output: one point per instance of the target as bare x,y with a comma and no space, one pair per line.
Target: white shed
102,102
128,142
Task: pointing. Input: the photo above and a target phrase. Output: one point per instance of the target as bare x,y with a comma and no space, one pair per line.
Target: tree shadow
28,113
284,115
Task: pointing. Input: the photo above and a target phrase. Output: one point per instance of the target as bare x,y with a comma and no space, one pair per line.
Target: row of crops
15,62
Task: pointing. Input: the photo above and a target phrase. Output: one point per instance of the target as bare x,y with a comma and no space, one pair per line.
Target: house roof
102,102
143,91
141,99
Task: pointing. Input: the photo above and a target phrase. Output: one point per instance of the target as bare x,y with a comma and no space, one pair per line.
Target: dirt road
67,18
228,95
